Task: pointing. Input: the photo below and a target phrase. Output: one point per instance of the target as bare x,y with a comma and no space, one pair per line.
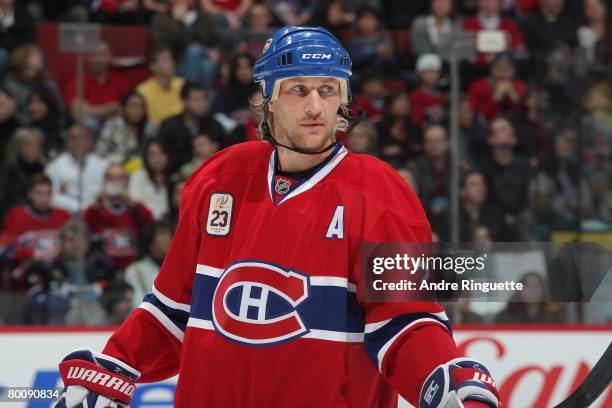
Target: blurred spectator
42,305
499,93
58,10
399,139
204,146
259,28
150,184
162,90
24,161
229,13
408,177
16,28
372,95
141,274
122,137
72,281
428,30
400,14
540,219
176,132
427,102
507,173
26,71
532,304
102,89
489,18
459,312
232,101
598,103
370,46
472,135
77,173
474,210
292,12
33,227
175,194
363,138
117,300
127,11
195,39
595,37
79,262
432,170
8,120
248,131
600,183
45,115
564,168
549,30
117,222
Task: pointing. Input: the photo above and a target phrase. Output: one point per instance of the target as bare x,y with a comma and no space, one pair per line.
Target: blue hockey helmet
302,51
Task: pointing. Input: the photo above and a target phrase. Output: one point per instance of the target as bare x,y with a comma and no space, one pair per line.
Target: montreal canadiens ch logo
255,303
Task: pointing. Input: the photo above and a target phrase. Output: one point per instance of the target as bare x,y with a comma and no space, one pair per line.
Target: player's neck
292,162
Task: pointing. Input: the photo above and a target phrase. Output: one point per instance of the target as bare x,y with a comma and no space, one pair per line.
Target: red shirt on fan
36,235
481,98
515,38
119,229
95,92
426,105
227,5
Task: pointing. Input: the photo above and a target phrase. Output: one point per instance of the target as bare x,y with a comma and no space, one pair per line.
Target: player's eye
327,90
299,89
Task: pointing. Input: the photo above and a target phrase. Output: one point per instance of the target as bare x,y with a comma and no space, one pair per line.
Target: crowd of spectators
90,184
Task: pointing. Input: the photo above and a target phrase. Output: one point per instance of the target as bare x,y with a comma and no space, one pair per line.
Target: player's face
305,112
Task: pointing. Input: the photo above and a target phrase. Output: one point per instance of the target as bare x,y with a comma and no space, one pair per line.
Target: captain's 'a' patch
219,219
335,230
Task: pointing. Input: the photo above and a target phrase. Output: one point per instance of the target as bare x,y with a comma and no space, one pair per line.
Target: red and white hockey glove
460,383
95,380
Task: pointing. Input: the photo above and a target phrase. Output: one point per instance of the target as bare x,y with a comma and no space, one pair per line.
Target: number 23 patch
219,214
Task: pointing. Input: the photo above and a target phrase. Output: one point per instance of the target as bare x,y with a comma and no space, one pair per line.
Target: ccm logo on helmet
317,57
255,303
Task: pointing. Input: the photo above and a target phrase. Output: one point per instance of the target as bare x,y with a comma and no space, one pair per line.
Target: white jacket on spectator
64,174
140,275
142,189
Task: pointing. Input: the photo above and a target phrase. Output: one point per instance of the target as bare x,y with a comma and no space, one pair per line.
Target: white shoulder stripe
169,302
334,336
372,327
200,323
163,319
209,271
333,281
383,350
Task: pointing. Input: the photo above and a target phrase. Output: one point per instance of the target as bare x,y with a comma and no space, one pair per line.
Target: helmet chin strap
267,134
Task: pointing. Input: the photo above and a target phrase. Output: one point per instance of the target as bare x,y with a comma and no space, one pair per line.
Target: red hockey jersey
256,303
34,234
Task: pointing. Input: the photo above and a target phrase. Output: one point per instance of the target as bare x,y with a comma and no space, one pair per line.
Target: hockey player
256,303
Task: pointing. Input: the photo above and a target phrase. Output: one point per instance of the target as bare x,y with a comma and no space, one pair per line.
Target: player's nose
314,103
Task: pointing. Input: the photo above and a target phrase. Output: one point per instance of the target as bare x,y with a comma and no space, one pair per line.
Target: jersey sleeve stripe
169,302
333,281
163,320
209,271
379,337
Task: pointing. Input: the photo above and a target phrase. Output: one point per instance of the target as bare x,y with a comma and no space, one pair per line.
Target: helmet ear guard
294,52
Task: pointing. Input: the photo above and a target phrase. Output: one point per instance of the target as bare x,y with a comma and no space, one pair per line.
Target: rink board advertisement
533,366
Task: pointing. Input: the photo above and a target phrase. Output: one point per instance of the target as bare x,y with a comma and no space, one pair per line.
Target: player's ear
271,106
